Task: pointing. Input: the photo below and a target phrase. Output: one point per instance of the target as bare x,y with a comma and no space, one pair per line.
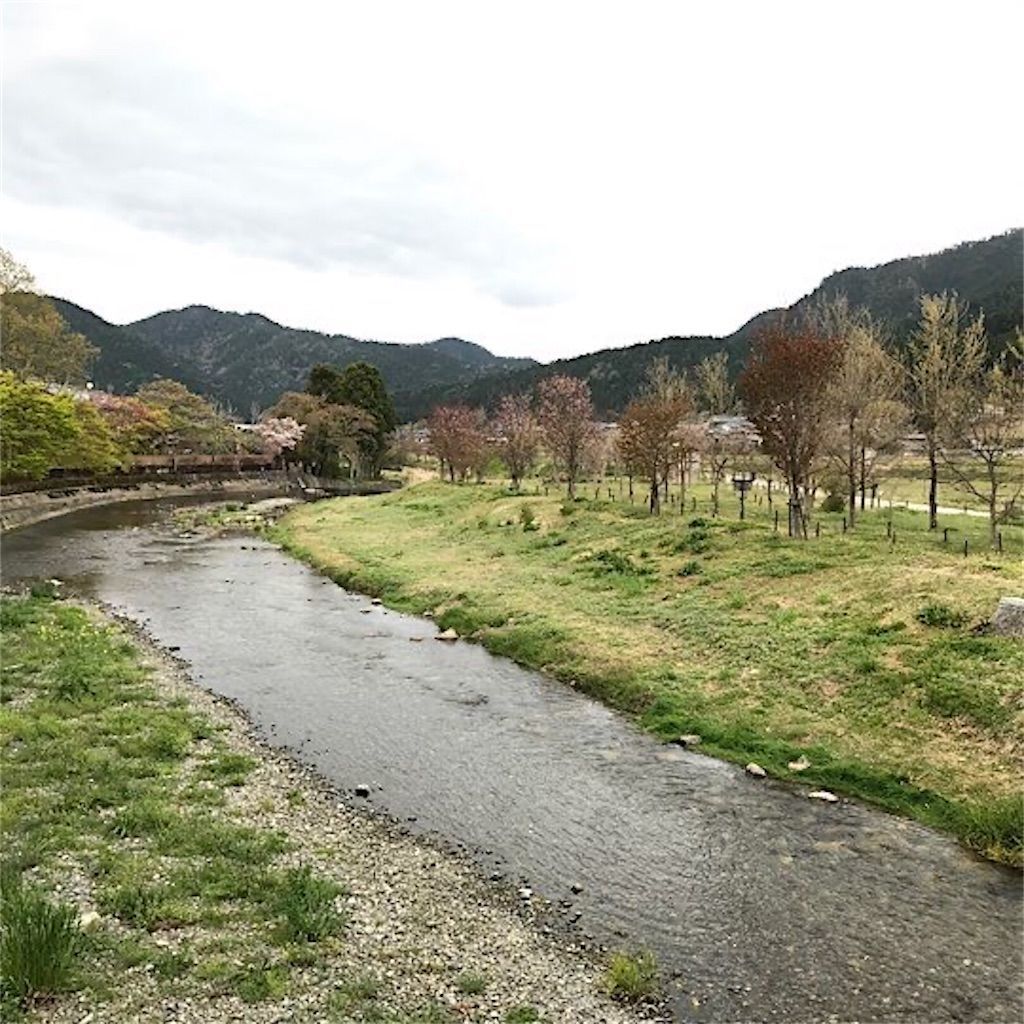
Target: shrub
307,904
616,562
834,502
528,518
942,615
632,976
691,568
522,1015
39,942
470,983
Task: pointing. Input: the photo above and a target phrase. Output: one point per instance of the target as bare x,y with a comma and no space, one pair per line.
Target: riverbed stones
823,795
1008,619
362,790
688,739
756,770
801,764
449,635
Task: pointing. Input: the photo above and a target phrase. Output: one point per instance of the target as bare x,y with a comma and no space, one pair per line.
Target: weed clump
941,615
632,977
307,905
39,943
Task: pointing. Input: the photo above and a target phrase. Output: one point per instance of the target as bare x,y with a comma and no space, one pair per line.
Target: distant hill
988,274
246,361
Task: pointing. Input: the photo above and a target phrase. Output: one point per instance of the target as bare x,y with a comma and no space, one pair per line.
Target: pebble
756,770
801,764
448,635
688,739
823,794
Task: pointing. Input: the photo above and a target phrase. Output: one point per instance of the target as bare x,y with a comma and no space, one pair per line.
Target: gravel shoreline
419,915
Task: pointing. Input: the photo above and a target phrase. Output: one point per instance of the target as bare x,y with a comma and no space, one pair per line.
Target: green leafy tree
359,385
36,428
333,436
193,424
94,448
35,341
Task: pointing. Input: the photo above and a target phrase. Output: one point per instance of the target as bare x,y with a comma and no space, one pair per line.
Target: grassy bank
160,864
857,652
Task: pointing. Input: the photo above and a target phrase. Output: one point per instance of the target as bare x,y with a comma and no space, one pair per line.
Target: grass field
864,652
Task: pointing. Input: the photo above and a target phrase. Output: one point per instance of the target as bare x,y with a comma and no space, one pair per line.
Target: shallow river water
759,903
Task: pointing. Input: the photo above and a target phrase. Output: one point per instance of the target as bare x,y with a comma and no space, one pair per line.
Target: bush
942,615
632,976
691,568
834,502
528,518
470,983
38,944
307,904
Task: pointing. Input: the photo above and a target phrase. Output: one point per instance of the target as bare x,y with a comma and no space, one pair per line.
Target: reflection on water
760,903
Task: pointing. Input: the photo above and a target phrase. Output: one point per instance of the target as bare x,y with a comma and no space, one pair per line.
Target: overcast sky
546,179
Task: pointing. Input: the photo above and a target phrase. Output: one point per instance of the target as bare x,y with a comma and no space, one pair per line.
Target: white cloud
545,179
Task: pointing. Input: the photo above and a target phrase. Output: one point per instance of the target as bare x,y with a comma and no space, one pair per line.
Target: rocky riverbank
425,937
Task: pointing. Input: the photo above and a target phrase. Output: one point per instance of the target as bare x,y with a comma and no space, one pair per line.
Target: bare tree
519,432
566,416
784,388
863,395
988,430
715,391
947,352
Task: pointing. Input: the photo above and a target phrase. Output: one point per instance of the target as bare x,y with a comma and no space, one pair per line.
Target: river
759,903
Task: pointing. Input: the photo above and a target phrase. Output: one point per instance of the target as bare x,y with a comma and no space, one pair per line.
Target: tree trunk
993,505
851,473
655,500
933,487
863,475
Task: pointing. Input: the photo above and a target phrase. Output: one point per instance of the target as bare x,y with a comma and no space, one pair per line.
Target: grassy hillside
861,655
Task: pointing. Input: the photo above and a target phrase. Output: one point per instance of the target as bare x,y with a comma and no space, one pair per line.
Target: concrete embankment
34,506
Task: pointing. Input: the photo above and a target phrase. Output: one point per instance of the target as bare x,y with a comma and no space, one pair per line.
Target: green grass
631,977
867,656
39,942
100,771
471,984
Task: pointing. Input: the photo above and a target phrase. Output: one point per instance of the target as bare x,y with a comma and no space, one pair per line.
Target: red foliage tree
458,438
785,391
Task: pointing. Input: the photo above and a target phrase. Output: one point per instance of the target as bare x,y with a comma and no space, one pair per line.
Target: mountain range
245,361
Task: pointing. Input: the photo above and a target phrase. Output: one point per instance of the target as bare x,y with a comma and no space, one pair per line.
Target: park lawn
766,647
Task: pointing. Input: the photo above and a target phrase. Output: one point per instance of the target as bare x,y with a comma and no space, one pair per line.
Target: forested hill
246,361
987,274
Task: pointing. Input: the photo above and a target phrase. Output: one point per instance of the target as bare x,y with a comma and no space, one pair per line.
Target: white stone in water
756,770
1009,617
448,634
823,794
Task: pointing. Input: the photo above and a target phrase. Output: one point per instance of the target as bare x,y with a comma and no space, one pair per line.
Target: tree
359,385
14,276
135,426
784,387
519,431
193,424
35,428
332,434
566,416
986,432
863,395
648,429
946,353
716,394
93,449
457,438
279,434
36,341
